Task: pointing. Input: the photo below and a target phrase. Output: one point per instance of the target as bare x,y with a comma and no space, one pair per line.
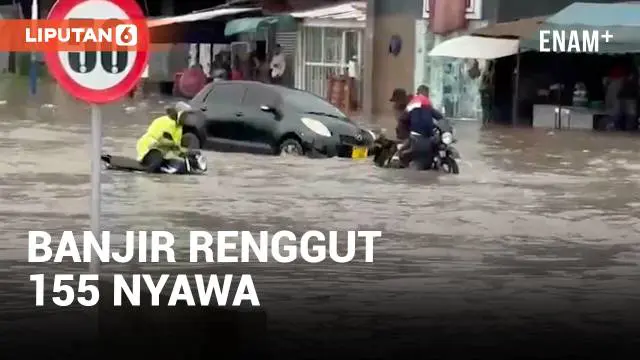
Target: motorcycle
445,156
191,162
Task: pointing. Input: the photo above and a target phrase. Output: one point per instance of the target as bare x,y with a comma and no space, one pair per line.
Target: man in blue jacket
421,125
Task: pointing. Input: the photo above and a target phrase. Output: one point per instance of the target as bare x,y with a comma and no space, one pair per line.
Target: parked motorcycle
190,163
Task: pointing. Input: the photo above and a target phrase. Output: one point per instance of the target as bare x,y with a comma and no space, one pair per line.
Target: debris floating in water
130,109
48,106
3,102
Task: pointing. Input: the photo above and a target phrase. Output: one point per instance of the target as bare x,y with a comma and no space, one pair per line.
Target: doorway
328,51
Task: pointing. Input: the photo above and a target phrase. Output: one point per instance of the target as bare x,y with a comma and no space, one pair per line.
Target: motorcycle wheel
450,166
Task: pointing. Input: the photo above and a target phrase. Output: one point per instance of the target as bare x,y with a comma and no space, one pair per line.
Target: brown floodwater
534,215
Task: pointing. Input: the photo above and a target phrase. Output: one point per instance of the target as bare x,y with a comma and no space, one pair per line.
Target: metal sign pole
96,166
33,70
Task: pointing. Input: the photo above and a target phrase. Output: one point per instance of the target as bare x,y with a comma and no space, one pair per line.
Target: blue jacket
421,115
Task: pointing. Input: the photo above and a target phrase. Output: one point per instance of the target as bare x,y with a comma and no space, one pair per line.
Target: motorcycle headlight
202,162
447,138
316,126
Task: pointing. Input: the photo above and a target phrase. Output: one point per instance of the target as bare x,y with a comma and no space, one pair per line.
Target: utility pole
367,62
33,70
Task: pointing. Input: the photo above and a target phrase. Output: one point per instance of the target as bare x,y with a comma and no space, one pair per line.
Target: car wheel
190,141
291,147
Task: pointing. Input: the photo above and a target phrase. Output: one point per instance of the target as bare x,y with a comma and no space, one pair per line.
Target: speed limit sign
100,77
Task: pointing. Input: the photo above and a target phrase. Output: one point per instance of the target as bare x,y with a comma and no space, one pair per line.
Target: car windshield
310,104
201,95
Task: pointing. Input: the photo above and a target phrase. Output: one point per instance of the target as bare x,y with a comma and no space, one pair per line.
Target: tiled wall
451,88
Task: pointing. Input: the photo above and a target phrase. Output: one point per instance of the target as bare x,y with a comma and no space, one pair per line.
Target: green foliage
23,62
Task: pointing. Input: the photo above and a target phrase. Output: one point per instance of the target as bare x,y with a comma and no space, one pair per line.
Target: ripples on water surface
533,215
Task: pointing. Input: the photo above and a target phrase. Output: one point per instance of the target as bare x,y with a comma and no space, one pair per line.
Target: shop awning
254,24
355,11
198,16
522,28
621,20
476,47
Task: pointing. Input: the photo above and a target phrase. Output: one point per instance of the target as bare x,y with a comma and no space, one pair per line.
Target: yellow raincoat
154,136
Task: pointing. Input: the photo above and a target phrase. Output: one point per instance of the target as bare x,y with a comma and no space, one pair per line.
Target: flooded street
536,223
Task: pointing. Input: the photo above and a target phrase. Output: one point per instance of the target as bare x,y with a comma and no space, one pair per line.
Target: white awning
476,47
198,16
356,10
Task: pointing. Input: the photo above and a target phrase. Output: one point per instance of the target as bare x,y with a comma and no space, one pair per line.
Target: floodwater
542,221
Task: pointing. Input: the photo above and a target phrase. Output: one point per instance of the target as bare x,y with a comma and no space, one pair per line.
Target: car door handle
239,114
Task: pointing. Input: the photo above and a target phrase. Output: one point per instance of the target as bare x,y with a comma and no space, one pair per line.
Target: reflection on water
532,214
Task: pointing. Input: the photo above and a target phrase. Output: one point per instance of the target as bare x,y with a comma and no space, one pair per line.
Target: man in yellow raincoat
162,140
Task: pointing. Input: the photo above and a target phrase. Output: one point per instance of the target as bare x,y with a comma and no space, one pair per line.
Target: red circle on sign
130,7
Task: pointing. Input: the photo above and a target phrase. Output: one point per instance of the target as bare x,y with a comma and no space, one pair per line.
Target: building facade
408,20
329,42
452,89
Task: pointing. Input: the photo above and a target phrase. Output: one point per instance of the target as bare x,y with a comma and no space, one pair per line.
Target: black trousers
486,105
417,147
627,118
153,161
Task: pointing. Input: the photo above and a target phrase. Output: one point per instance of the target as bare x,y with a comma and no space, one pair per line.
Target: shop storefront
452,88
326,51
329,43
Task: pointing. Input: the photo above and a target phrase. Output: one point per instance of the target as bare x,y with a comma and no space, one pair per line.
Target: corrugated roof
600,15
619,21
356,10
198,16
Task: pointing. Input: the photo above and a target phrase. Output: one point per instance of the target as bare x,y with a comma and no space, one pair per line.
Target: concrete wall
510,10
393,17
398,17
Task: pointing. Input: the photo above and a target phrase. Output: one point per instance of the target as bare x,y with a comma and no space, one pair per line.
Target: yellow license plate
359,152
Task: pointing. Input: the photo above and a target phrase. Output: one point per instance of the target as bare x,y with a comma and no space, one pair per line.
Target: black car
247,116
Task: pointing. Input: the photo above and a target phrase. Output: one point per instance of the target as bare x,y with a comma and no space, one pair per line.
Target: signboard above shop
473,10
